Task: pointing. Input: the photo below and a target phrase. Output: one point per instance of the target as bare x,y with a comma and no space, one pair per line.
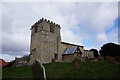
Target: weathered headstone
110,59
38,70
99,58
83,59
87,59
53,62
76,63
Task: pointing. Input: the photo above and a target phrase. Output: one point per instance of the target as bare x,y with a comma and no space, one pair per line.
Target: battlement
45,20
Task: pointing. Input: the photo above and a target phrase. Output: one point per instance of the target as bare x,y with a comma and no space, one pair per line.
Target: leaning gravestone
53,62
38,70
76,63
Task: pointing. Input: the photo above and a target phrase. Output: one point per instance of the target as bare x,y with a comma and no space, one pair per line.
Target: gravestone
53,62
110,59
100,58
76,63
38,70
83,59
87,59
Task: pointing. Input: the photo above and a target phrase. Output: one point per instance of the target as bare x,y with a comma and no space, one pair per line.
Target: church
46,44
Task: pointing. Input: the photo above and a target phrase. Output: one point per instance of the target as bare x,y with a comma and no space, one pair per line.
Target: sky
90,24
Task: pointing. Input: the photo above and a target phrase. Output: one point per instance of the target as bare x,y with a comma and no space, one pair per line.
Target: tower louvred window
36,29
51,29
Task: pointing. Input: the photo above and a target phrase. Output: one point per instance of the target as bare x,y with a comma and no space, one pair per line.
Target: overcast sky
90,24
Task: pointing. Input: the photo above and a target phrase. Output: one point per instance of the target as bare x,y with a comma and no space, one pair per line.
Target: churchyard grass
98,69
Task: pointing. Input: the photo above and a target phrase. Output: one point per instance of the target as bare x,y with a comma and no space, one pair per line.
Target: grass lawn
98,69
17,72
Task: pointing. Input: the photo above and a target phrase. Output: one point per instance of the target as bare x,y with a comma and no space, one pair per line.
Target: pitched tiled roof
3,62
70,50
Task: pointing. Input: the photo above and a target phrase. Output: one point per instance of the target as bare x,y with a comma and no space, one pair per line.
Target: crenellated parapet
45,20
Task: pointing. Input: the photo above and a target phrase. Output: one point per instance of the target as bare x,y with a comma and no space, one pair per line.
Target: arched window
36,29
77,54
55,56
51,29
25,61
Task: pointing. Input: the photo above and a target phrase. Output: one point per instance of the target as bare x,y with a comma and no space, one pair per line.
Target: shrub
117,58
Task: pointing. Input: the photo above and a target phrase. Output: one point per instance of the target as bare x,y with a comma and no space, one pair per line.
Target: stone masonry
45,41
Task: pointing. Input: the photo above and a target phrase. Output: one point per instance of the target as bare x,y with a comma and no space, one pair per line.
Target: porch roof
70,50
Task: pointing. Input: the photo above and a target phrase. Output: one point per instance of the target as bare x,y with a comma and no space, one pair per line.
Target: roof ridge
70,50
71,44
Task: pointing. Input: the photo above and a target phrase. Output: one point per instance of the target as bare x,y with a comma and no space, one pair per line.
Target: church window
36,29
42,27
19,61
51,29
56,56
77,55
24,61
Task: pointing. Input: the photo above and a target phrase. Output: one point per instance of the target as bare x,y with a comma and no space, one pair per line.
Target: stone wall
87,54
45,41
21,61
70,57
66,45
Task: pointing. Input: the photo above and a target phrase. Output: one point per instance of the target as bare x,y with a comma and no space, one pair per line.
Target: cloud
8,58
14,44
79,21
60,1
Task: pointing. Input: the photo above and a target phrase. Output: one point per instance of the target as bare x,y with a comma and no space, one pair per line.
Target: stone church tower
45,41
